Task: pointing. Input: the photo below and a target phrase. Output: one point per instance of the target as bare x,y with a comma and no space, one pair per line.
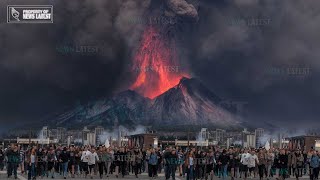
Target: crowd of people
190,163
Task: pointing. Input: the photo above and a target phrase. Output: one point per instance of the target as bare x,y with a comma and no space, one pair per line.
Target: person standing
31,159
181,162
85,159
210,165
137,160
51,158
64,160
232,164
152,164
283,164
13,161
101,163
224,161
72,160
166,161
93,158
244,162
253,161
22,158
1,160
108,160
262,159
314,166
299,166
270,161
189,163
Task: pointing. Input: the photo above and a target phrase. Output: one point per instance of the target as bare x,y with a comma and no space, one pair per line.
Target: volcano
189,102
156,65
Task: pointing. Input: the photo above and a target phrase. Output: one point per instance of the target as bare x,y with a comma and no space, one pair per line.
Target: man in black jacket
224,161
283,164
64,159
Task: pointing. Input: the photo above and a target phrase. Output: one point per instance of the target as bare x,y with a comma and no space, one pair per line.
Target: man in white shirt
85,159
253,160
244,162
93,158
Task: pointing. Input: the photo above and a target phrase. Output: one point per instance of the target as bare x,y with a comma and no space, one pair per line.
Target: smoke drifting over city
264,53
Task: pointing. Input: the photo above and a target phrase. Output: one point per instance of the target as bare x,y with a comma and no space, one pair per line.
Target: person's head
173,151
15,148
224,151
33,151
314,153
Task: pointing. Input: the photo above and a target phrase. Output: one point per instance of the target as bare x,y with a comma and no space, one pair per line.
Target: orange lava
156,65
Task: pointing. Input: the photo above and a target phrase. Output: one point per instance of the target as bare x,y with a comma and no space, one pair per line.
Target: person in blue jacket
314,166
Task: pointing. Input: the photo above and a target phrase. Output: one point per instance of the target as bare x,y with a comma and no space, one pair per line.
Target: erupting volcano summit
156,65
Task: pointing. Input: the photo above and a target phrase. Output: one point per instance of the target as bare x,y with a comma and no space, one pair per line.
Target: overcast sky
240,49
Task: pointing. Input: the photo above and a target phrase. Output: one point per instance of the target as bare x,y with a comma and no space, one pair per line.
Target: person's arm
241,159
82,156
97,157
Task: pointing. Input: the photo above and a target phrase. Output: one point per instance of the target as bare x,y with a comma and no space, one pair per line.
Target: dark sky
237,61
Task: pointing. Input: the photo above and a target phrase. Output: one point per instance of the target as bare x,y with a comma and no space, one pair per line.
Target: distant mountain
188,103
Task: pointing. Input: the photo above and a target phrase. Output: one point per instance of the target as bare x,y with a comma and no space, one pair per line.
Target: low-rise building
304,142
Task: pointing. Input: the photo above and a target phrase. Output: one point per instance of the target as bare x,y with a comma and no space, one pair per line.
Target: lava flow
156,65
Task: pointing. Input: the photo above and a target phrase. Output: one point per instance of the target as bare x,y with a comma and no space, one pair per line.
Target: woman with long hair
189,163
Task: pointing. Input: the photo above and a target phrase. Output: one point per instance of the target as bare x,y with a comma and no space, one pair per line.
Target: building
244,134
304,142
259,135
143,140
44,133
41,141
251,140
85,132
91,139
317,145
61,134
219,135
186,143
98,132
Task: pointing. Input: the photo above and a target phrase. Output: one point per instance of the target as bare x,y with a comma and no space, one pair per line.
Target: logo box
29,14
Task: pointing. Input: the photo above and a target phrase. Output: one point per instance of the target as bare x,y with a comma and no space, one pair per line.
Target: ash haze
252,51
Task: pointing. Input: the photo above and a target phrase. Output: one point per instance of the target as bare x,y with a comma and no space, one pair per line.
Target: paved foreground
3,176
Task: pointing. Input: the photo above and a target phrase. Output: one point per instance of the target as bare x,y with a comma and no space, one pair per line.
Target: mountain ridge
187,103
